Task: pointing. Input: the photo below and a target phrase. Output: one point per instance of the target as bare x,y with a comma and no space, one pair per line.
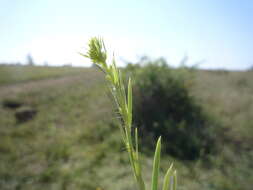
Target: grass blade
156,165
136,144
175,180
167,179
129,102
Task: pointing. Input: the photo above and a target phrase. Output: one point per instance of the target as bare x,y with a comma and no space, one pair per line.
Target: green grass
228,95
14,74
72,143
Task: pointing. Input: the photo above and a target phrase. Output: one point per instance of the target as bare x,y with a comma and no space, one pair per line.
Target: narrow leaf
175,180
83,55
136,144
156,165
129,102
167,177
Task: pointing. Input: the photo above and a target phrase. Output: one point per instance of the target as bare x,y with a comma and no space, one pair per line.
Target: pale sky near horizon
218,33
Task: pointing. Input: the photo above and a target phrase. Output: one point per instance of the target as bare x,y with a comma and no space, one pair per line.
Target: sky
215,34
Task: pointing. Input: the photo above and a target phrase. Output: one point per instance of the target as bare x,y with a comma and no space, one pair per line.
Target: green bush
163,106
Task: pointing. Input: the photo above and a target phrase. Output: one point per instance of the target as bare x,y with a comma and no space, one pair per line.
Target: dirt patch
25,114
11,103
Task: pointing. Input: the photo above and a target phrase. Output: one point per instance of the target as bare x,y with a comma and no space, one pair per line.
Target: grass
227,95
15,74
72,143
68,138
123,100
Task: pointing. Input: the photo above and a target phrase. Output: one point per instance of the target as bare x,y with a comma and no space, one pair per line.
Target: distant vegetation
16,74
164,107
72,142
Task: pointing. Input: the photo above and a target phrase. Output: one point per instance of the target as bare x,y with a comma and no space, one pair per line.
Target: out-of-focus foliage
70,139
164,106
17,73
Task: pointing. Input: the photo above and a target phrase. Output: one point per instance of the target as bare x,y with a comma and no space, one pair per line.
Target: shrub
163,106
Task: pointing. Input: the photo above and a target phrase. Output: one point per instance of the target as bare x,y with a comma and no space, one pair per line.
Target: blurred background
192,67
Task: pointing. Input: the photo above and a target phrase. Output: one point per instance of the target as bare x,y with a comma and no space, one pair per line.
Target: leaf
115,72
156,165
175,180
167,178
136,144
83,55
129,102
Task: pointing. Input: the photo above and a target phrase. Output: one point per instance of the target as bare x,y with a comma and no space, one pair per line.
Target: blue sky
217,33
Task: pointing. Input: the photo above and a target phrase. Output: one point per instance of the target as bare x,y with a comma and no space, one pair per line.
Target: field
19,73
71,142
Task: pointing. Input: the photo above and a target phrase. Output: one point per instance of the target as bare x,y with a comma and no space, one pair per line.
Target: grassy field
72,141
17,74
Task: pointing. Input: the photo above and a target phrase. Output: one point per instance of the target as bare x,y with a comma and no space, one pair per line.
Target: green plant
98,55
170,111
